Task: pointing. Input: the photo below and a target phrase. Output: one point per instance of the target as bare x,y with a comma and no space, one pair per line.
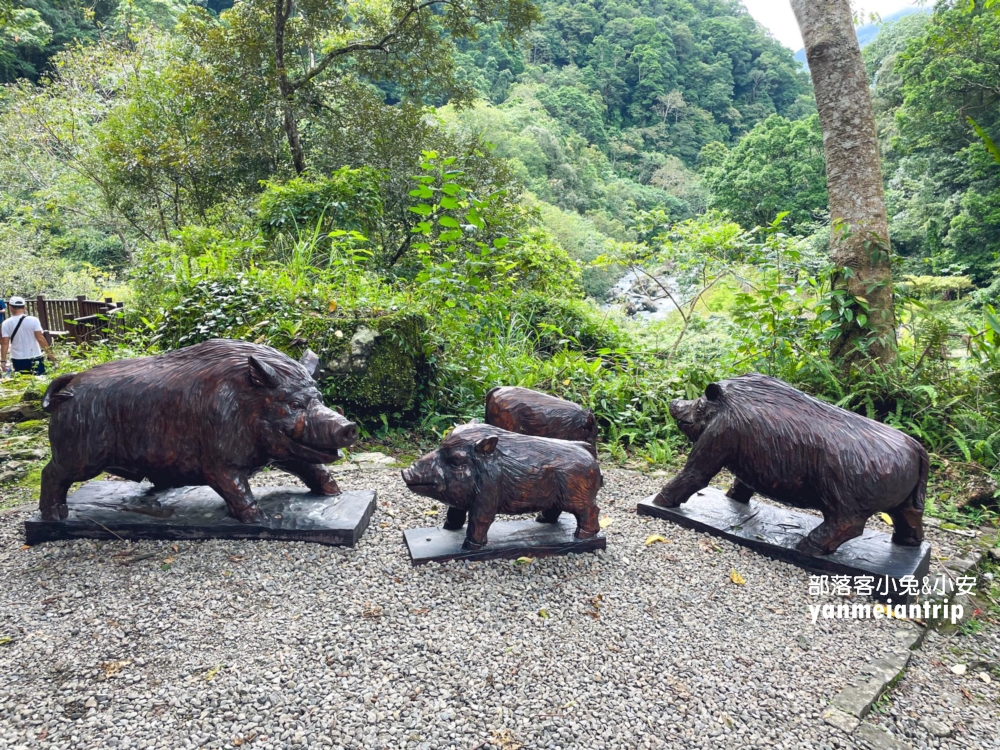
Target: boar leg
476,533
316,477
703,463
907,525
455,519
829,535
55,484
908,517
234,488
551,515
587,523
740,492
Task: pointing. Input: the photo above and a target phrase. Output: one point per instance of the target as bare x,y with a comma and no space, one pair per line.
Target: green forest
617,202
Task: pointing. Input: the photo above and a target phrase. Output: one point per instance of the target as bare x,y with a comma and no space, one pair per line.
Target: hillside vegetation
474,190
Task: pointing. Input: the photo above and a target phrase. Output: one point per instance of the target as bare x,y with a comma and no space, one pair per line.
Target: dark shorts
36,365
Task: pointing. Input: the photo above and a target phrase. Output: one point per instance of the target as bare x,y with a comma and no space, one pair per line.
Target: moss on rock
370,365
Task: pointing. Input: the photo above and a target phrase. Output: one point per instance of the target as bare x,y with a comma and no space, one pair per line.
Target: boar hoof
581,534
468,544
55,513
250,514
664,501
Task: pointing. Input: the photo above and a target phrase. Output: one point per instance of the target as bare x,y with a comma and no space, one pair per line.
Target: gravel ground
932,700
273,645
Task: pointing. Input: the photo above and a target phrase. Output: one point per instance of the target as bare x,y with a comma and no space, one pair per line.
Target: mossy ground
396,367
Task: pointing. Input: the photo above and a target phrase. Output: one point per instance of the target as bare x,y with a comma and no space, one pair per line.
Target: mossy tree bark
859,242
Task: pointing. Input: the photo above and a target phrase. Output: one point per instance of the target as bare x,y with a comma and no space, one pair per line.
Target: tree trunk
859,238
282,11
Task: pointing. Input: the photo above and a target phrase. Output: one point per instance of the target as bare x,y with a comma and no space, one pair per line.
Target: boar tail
57,392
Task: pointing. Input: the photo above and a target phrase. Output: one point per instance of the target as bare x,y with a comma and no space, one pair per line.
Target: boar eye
296,404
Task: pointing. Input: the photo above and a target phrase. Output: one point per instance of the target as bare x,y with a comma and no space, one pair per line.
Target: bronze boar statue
481,470
533,413
795,449
210,414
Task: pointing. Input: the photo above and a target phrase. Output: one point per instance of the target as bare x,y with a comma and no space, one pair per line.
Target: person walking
21,336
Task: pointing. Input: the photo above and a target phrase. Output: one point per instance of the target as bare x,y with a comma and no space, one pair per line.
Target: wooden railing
81,319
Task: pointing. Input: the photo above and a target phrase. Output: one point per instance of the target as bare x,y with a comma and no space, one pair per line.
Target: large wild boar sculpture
481,470
211,414
790,447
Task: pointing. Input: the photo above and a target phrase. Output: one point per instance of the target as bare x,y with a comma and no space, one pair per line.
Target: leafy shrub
556,323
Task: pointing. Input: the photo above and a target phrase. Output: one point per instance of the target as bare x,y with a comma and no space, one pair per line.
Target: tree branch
380,45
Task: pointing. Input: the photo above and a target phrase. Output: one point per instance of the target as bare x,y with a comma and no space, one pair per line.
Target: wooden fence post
43,313
43,316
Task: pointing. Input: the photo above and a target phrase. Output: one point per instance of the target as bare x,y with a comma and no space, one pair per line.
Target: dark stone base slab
507,540
126,510
775,531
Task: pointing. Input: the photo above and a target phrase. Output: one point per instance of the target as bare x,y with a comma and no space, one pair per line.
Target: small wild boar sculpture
210,414
532,413
481,470
790,447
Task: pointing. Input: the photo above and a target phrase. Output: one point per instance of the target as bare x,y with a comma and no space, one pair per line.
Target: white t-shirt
24,345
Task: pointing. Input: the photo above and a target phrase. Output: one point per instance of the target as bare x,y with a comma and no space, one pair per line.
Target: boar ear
262,374
310,361
590,420
713,392
487,445
339,410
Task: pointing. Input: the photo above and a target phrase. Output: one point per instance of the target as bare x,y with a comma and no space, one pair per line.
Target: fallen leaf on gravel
237,741
210,674
959,669
886,517
371,610
736,578
26,546
430,512
524,561
503,739
111,668
43,734
174,547
5,639
654,538
708,546
168,560
984,677
543,613
605,522
421,611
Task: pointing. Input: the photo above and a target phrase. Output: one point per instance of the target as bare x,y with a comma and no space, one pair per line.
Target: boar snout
333,429
346,434
425,478
682,411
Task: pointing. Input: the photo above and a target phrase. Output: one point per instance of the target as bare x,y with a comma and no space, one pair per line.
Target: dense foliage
488,177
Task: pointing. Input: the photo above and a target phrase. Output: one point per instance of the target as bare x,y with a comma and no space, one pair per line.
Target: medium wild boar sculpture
529,412
792,448
210,414
481,470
